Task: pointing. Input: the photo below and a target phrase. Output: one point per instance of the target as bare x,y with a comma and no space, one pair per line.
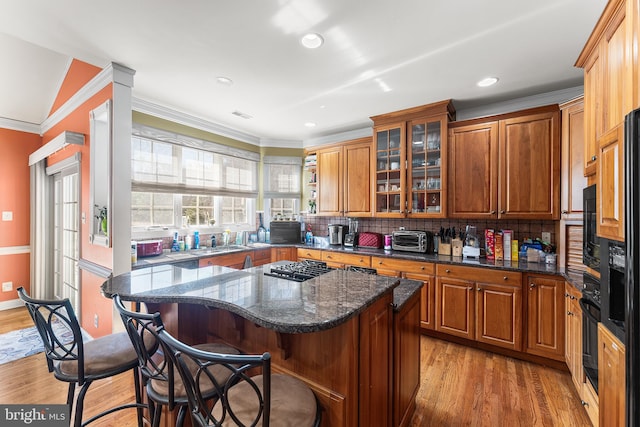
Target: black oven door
590,319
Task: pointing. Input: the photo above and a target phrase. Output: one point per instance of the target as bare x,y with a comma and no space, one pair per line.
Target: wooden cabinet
610,188
233,260
306,253
413,270
479,304
409,161
261,256
573,335
473,171
571,171
593,111
611,378
343,179
341,260
284,254
506,166
406,360
375,363
545,316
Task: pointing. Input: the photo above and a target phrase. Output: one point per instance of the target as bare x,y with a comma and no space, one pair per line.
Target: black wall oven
590,304
590,240
612,277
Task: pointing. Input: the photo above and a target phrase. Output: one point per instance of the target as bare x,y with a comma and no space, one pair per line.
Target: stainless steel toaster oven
411,241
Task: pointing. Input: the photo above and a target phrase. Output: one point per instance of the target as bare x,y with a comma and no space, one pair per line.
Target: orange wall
92,302
15,147
79,74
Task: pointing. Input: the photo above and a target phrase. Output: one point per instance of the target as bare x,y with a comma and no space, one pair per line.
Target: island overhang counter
335,331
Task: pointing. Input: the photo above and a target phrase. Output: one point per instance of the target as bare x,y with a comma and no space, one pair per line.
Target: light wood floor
461,386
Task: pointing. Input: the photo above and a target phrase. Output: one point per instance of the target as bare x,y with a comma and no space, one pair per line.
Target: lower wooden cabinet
284,254
479,304
342,260
611,379
306,253
233,260
261,256
545,316
406,360
573,335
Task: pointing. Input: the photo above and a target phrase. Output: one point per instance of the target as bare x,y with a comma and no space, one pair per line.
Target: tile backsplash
522,229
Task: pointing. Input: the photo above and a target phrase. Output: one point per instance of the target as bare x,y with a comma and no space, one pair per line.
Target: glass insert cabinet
410,162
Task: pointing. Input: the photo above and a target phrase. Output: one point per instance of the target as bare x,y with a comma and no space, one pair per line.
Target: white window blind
282,177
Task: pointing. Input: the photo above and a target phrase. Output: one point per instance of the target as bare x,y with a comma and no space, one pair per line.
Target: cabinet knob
594,158
502,211
422,267
329,256
532,285
492,212
379,262
569,313
470,288
505,278
564,212
479,289
583,403
447,271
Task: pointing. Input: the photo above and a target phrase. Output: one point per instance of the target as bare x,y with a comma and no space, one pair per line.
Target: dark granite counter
404,291
278,304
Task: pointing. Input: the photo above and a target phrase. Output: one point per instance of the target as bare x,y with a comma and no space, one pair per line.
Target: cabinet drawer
261,256
304,253
347,259
479,274
402,265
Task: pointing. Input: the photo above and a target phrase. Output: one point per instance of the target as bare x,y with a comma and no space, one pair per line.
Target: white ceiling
422,50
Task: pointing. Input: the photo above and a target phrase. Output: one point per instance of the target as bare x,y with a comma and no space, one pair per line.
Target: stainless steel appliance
590,304
412,241
337,233
285,232
298,271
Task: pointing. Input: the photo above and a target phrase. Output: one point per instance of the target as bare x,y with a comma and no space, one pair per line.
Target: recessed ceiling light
312,40
487,81
226,81
310,124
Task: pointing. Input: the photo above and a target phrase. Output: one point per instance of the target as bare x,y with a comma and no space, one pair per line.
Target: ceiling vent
241,114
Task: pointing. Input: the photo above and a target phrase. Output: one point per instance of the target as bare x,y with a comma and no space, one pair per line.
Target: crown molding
19,125
339,137
112,73
166,113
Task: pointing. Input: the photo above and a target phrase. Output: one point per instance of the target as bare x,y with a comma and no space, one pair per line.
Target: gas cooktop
299,271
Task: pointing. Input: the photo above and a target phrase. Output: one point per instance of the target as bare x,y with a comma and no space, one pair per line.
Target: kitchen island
335,331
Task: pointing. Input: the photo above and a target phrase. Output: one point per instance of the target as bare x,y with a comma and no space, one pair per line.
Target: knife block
444,248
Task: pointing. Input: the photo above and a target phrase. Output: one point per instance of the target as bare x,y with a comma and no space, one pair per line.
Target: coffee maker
351,238
336,234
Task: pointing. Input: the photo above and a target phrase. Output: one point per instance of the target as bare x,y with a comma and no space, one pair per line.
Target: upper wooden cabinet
409,161
343,179
610,187
610,63
572,158
506,166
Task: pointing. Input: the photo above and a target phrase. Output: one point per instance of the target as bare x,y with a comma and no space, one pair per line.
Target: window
179,181
282,176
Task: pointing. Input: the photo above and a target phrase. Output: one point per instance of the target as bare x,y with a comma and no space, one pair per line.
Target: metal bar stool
163,385
78,362
243,399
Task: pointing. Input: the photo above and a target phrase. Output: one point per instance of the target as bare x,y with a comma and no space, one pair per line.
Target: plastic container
387,241
134,252
196,240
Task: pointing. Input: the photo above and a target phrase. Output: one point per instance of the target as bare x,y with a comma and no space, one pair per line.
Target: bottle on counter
175,247
196,240
213,241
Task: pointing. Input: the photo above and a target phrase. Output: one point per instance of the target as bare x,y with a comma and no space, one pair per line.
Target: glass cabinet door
390,171
426,169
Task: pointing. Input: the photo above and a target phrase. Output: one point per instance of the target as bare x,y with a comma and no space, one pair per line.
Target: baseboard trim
8,305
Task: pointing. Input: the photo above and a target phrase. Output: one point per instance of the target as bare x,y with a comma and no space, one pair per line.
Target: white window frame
268,195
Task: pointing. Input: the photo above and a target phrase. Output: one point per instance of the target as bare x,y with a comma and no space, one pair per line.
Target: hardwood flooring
461,386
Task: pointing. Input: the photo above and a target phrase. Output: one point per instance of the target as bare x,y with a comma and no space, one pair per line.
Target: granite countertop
282,305
405,290
522,266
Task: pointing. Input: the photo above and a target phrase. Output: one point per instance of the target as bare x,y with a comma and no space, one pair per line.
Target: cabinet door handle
505,278
532,285
447,271
492,212
329,256
502,211
584,403
564,212
594,158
